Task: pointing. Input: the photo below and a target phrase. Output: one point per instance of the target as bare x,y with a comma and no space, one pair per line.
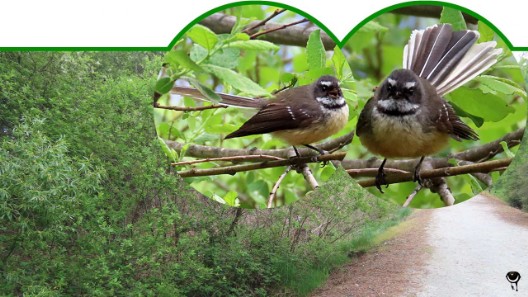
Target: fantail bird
300,116
407,116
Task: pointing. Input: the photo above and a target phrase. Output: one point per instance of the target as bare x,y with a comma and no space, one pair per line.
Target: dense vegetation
88,205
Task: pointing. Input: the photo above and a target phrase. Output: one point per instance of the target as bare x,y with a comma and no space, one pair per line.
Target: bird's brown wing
448,121
273,117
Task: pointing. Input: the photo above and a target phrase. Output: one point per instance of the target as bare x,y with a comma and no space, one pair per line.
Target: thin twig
278,28
266,164
487,166
308,176
254,158
411,196
264,21
276,186
188,109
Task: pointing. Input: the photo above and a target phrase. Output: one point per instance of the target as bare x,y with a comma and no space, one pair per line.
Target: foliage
235,63
493,104
89,207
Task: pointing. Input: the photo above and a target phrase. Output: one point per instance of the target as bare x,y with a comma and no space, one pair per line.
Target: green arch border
340,43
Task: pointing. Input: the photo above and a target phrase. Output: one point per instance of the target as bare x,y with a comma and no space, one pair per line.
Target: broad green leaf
478,121
181,59
341,65
236,80
226,57
164,85
499,85
315,50
486,33
454,17
207,92
506,149
487,106
203,36
257,45
198,53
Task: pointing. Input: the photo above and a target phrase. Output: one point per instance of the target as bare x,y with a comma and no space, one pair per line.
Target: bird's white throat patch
329,102
402,106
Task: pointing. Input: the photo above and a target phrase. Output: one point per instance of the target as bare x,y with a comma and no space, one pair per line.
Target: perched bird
408,117
300,116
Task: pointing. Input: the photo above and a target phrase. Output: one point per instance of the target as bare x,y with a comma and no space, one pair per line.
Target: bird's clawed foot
320,151
380,177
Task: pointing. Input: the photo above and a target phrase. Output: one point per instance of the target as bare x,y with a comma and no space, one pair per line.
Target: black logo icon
513,277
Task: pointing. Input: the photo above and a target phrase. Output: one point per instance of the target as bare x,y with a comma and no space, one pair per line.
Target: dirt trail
463,250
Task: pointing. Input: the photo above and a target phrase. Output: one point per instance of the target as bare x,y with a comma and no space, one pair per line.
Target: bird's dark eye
390,88
410,90
324,88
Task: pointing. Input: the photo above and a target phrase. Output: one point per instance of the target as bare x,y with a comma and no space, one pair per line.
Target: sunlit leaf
486,33
490,107
226,57
454,17
315,50
236,80
181,59
207,92
164,85
203,36
500,85
257,45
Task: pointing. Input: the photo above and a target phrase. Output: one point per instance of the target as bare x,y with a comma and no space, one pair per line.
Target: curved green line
290,8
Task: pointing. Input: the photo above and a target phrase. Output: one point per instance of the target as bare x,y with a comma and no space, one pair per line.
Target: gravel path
474,244
463,250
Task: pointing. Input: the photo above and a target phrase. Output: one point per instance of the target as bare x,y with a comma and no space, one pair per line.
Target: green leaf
167,150
207,92
373,26
341,65
486,33
315,50
236,80
203,36
226,57
181,59
231,198
198,53
487,106
257,45
506,149
164,85
496,85
454,17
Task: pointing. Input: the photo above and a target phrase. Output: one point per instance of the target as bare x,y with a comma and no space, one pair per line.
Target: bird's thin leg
296,151
380,177
416,176
320,151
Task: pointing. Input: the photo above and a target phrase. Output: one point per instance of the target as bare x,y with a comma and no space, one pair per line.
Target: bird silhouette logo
513,277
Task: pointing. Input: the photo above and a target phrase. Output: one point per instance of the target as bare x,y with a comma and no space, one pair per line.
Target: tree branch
297,35
254,158
203,151
486,166
267,164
